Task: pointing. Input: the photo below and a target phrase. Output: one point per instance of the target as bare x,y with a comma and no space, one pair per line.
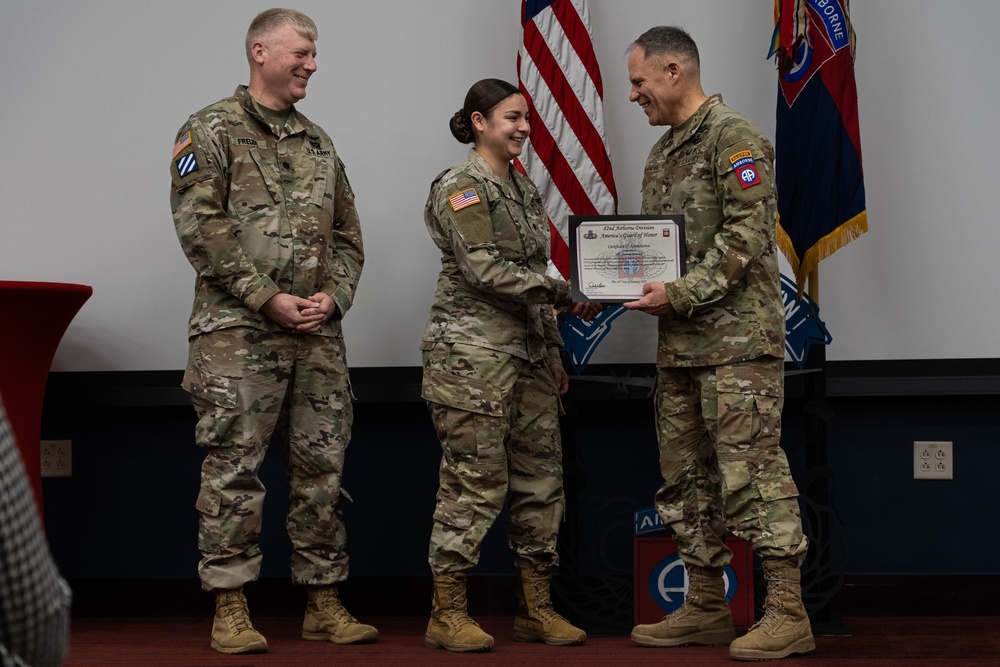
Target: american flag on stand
566,155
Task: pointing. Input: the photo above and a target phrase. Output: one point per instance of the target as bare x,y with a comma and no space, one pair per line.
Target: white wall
920,284
94,91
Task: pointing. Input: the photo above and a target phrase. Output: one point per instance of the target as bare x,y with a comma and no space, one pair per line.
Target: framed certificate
613,256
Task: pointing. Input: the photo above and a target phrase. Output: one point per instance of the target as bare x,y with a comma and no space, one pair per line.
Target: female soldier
492,374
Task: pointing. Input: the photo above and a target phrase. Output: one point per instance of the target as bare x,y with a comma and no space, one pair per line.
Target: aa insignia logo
464,198
630,266
186,165
745,168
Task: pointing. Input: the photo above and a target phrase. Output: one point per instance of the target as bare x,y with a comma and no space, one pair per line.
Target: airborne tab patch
182,143
464,198
745,168
186,165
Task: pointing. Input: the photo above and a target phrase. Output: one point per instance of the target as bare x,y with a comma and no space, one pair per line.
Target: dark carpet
184,642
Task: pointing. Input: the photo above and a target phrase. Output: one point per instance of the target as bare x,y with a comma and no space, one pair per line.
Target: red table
33,318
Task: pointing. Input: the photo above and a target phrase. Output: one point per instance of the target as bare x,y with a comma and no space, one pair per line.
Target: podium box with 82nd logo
661,580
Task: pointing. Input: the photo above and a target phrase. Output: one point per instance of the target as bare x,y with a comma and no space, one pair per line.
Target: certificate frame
613,256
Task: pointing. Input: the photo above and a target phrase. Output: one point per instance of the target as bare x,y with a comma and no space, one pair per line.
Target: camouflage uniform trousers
497,417
246,385
719,430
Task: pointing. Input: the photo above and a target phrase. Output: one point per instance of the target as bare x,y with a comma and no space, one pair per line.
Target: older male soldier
719,386
266,216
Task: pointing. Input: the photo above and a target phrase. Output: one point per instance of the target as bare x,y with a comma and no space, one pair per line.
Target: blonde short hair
270,19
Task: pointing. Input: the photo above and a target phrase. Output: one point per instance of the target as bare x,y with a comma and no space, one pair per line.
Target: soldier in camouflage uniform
266,216
492,374
720,362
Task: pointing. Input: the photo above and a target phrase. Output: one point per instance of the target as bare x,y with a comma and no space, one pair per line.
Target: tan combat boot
704,618
785,628
232,631
536,620
326,620
450,626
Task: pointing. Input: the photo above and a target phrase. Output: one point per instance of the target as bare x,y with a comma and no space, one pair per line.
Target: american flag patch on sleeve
182,143
464,198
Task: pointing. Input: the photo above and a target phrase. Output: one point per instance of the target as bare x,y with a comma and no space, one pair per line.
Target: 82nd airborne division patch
745,168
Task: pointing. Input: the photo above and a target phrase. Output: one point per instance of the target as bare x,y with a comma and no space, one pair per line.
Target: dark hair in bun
482,97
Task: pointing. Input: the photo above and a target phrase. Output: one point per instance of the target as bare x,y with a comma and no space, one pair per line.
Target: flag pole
814,285
817,483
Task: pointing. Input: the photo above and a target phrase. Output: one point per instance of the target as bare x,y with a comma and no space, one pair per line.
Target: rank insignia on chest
186,165
745,168
182,143
464,198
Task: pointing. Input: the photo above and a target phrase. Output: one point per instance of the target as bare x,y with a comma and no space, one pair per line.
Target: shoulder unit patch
745,168
186,164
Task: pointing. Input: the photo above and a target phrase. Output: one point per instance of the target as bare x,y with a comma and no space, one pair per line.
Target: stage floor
184,642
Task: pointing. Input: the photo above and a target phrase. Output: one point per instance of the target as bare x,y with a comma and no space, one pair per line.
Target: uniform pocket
320,180
455,514
463,393
516,240
451,378
209,501
252,189
735,475
215,399
748,378
217,390
749,404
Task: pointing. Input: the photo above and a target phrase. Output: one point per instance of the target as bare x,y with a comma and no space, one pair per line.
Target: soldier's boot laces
536,620
232,631
784,629
326,620
704,618
450,626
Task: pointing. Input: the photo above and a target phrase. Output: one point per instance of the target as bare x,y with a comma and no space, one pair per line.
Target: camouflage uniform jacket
492,291
716,168
261,209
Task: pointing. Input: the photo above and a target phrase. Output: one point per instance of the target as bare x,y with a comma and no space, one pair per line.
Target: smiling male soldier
720,358
266,216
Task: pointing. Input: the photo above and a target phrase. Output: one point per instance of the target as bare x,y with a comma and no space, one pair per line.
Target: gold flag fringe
826,246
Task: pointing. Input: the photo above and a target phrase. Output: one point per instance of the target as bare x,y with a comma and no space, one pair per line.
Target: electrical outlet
932,460
57,458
